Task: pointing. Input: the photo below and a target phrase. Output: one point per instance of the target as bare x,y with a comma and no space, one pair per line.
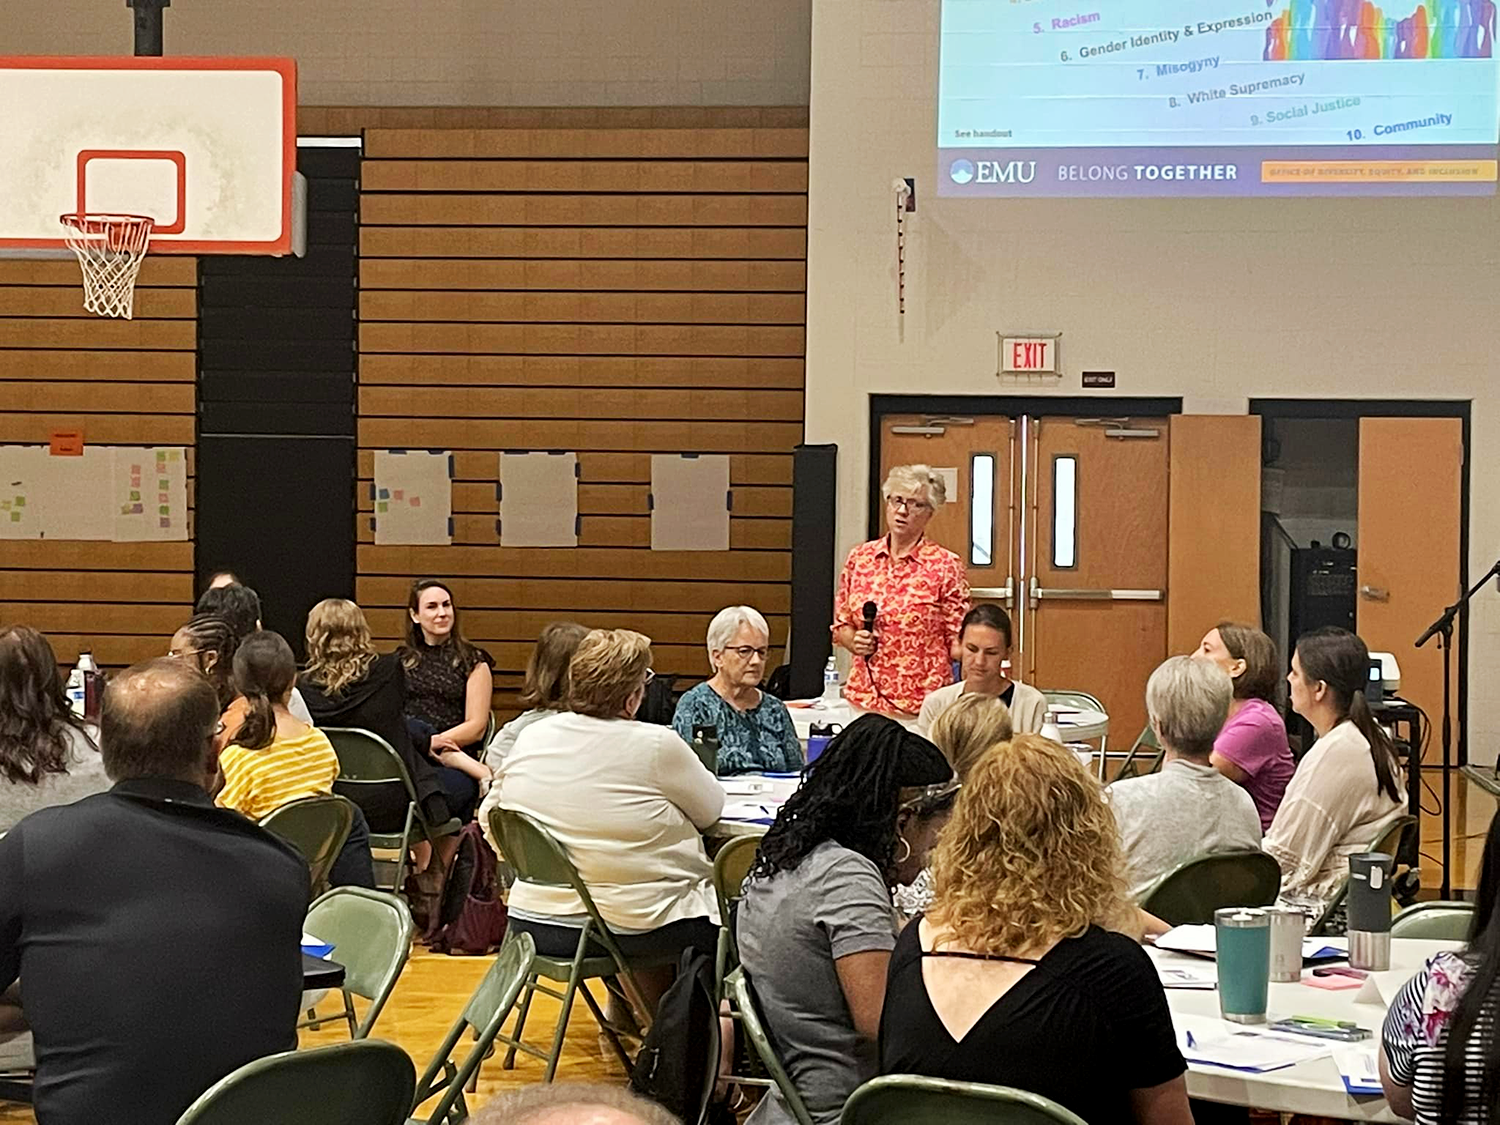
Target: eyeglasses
179,653
218,729
650,675
745,652
904,503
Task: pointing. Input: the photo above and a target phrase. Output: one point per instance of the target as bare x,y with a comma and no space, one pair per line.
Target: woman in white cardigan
984,641
1347,788
628,802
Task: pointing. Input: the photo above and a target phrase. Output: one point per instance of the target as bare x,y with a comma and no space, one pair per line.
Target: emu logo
1015,172
961,171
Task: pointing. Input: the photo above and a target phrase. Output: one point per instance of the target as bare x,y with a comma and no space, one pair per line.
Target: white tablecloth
1312,1087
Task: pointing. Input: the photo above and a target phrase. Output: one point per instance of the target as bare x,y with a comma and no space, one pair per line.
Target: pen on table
1339,971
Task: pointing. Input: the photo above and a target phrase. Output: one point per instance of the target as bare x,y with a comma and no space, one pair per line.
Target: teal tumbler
1243,950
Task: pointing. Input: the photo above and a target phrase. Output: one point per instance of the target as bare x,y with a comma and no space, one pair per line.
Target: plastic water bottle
78,688
1050,729
832,693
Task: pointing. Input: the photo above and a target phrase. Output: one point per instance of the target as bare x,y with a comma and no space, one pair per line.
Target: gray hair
1187,702
727,622
920,481
571,1103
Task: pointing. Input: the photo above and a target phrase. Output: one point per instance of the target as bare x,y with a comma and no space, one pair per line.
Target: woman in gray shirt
47,756
816,926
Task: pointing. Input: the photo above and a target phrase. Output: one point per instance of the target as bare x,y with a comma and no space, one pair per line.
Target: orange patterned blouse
920,602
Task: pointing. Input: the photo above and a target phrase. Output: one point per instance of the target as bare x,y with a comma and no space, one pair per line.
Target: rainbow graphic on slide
1357,29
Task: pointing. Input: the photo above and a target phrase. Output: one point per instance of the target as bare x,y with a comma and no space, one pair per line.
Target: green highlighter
1343,1031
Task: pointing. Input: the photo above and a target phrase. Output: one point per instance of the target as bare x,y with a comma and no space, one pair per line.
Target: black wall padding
814,511
277,353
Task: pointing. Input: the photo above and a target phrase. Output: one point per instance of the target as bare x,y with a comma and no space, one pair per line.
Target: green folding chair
318,827
909,1099
731,866
746,1010
1145,756
1434,921
363,1083
1191,892
1391,842
365,761
482,1015
541,860
370,932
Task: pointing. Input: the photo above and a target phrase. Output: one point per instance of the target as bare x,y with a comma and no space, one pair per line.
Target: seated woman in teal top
755,731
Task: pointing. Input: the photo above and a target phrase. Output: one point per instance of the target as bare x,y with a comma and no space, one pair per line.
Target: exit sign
1028,355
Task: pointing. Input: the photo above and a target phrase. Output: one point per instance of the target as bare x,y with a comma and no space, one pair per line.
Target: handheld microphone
870,611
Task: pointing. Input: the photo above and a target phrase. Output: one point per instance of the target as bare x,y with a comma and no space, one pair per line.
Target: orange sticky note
1332,983
67,443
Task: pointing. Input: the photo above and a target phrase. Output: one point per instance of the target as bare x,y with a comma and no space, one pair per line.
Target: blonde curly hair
339,650
1031,856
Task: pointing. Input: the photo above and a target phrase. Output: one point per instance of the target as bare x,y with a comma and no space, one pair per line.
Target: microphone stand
1442,628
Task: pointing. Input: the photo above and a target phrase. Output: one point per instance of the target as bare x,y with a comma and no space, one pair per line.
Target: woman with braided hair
816,926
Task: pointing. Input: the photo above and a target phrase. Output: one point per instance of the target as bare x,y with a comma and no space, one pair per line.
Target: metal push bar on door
1055,593
1006,593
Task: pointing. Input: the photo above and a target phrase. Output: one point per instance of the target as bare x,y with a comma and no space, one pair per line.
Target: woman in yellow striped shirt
269,757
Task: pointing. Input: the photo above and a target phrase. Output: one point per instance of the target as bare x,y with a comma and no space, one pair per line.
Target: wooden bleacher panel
616,283
123,382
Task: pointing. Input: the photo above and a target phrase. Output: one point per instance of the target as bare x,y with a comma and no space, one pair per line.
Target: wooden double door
1113,542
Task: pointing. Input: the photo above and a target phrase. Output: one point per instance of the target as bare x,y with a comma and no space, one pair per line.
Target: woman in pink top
1252,749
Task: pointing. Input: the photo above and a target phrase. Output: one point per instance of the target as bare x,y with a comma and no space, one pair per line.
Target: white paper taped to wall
538,499
149,500
689,502
413,496
950,482
20,515
109,493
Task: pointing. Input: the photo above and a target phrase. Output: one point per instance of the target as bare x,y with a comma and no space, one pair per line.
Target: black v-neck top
1093,1005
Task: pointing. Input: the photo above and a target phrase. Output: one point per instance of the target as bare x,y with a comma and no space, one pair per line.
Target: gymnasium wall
123,382
471,52
1216,300
614,291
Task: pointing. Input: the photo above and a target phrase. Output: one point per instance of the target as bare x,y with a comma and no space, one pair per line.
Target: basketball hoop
109,249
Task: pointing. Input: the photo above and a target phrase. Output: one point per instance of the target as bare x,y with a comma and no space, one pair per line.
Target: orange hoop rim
101,222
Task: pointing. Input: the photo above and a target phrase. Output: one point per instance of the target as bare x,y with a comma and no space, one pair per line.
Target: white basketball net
110,249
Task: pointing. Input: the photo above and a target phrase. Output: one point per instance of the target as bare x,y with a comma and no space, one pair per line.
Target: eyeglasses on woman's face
908,504
650,675
745,652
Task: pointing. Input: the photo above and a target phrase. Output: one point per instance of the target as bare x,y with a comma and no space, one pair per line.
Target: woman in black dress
448,680
1018,975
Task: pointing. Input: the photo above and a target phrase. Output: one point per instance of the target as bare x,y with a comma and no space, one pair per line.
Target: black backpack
679,1060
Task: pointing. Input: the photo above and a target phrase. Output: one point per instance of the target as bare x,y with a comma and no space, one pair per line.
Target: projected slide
1218,97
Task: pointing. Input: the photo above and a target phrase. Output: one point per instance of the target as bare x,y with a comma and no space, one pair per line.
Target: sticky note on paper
163,497
165,522
398,494
15,517
20,501
416,501
135,494
382,506
174,455
384,494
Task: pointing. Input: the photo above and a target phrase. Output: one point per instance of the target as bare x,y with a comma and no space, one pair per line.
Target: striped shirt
258,782
1416,1036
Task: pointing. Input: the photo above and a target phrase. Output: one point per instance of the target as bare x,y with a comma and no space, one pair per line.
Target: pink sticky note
1335,983
416,501
398,494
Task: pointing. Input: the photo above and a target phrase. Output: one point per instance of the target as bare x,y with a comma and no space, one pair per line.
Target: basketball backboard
204,147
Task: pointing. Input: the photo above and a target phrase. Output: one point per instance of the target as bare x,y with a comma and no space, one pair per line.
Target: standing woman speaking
912,591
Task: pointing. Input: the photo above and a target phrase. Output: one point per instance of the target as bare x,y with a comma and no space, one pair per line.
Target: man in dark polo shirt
155,936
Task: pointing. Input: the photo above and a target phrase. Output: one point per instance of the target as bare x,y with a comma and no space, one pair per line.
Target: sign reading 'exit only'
1028,354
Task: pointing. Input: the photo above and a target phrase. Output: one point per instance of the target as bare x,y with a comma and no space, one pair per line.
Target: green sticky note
135,494
15,517
162,483
20,501
382,506
164,510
